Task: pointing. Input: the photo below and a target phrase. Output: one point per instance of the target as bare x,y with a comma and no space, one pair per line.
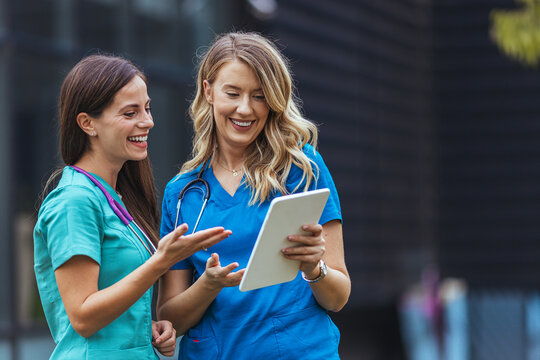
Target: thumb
180,230
213,260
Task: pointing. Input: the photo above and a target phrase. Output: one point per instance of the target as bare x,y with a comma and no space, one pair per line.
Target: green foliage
517,32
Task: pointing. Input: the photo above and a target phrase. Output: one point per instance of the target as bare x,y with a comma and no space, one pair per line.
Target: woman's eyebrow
237,88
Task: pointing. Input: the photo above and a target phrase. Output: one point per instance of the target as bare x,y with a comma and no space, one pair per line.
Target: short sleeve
322,179
332,209
73,222
168,216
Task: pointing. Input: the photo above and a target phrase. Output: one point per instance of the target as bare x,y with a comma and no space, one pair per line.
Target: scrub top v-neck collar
220,194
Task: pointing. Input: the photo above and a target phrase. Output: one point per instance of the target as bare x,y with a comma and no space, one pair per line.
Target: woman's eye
259,97
130,114
148,109
232,94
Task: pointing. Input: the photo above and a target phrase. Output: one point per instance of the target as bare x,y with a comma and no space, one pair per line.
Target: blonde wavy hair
279,146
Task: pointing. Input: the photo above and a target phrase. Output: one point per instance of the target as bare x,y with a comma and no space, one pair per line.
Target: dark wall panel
489,151
363,72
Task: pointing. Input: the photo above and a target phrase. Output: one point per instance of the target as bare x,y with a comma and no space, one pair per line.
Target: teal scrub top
76,219
282,321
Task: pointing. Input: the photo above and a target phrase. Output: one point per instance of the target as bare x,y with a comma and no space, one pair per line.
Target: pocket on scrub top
137,353
195,348
306,334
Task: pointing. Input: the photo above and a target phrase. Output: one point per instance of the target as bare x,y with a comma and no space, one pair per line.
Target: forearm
332,292
186,309
104,306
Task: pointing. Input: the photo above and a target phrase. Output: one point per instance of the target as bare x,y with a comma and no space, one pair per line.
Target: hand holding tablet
286,216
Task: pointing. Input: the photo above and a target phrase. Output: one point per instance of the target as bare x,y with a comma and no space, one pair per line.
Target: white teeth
242,123
138,138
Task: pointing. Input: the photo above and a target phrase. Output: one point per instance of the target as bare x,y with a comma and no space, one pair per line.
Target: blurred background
428,113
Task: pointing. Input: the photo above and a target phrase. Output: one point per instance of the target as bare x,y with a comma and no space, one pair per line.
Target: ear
86,123
208,91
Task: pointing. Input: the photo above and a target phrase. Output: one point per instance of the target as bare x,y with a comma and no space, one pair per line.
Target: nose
244,107
146,122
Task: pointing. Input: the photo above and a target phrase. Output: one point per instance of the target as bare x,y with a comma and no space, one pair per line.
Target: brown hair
90,87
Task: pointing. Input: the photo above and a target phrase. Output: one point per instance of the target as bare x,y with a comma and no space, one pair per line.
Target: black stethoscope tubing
188,187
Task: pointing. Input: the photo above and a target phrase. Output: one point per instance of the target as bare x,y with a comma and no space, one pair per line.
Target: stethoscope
189,186
119,210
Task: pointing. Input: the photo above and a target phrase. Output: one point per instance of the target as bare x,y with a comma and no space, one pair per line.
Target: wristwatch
322,268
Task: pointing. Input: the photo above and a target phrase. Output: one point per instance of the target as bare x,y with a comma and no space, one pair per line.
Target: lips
242,125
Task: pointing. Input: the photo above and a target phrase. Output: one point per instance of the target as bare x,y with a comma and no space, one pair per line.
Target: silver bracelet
322,268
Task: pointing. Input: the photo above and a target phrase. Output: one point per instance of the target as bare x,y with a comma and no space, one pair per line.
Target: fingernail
290,237
284,251
304,227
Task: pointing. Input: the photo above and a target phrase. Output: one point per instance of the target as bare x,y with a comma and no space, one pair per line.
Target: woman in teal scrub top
252,144
94,273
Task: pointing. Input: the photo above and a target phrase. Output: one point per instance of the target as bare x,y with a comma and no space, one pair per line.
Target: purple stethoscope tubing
119,210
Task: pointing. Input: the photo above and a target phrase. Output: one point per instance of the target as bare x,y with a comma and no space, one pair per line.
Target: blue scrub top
283,321
76,219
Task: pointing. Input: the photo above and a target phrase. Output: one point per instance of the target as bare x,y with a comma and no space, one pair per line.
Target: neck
103,168
232,158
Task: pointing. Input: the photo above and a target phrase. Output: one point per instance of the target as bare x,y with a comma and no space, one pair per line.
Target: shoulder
73,194
73,187
312,153
313,156
297,175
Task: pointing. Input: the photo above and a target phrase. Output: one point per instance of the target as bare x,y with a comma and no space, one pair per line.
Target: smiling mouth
138,138
242,123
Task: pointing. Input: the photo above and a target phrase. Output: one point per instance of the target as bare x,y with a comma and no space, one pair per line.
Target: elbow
83,328
340,303
337,307
161,312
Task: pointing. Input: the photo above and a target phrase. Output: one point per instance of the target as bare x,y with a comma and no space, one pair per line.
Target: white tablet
286,215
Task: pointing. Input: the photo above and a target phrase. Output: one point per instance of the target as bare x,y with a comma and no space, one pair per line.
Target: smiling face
122,128
240,109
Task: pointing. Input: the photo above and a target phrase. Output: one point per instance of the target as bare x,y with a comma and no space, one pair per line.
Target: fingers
235,278
222,276
229,268
206,243
315,229
165,335
206,238
155,333
168,346
203,234
230,279
213,262
307,240
165,341
310,249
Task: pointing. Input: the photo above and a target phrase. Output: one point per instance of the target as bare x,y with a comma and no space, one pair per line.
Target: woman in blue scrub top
94,273
250,131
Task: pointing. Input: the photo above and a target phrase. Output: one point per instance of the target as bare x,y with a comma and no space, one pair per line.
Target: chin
138,158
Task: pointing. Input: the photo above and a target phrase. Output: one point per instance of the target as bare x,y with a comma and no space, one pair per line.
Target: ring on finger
204,249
